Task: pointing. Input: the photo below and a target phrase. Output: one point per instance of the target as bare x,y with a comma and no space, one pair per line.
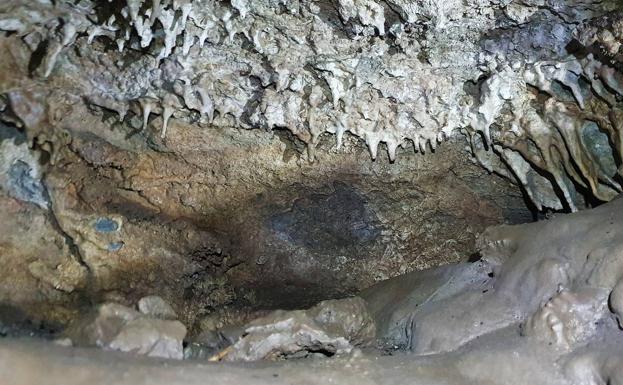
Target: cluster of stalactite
389,72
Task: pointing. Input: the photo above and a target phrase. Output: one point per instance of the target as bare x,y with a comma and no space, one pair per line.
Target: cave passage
334,191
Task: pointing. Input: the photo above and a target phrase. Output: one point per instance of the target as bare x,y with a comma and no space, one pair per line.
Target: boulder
117,327
156,307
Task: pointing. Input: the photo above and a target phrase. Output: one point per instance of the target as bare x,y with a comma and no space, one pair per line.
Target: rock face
209,231
215,161
534,85
220,205
540,307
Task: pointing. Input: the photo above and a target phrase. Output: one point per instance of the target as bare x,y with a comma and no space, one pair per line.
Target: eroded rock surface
550,280
211,234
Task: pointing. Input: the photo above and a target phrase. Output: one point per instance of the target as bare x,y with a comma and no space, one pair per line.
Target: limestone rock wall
211,152
535,85
241,221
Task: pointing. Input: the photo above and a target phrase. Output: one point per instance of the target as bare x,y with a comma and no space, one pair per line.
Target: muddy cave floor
28,361
502,357
542,305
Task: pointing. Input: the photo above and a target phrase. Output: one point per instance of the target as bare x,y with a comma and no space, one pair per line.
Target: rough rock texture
222,209
206,230
331,327
116,327
555,282
228,157
535,85
541,320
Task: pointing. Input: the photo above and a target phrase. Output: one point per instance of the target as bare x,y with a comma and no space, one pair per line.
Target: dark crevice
87,294
37,57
